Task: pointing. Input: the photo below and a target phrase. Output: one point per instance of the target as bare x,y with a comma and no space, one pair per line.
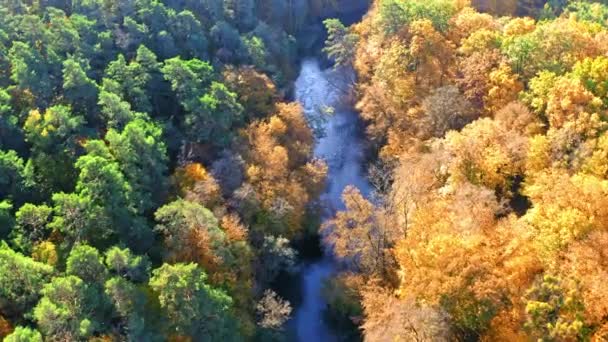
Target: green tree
116,112
101,210
193,307
189,79
31,227
6,219
123,263
219,112
555,312
131,82
13,184
77,219
69,310
189,35
341,44
11,136
241,13
30,72
79,89
129,306
21,280
142,157
24,334
86,263
54,136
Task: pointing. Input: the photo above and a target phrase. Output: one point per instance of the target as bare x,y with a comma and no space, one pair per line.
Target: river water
324,97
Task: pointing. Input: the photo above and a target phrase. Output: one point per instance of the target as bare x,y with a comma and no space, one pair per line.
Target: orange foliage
5,327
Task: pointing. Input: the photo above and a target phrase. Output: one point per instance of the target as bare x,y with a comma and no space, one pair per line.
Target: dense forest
157,182
490,216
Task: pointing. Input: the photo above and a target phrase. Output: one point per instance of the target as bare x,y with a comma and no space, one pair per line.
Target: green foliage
123,263
555,313
340,45
215,119
86,263
24,334
30,72
21,280
12,176
396,14
79,89
6,219
101,211
31,227
69,309
193,307
54,137
593,12
129,304
142,157
188,79
11,136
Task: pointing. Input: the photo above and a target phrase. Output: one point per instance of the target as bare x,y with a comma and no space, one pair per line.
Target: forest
159,182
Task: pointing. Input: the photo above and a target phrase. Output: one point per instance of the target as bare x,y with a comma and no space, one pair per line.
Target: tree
218,113
340,44
7,221
21,281
13,183
193,308
115,111
189,35
275,256
142,157
446,109
482,161
241,12
86,263
191,234
360,236
189,79
101,210
123,263
255,91
554,313
504,87
24,334
129,304
273,311
30,72
131,81
31,227
79,89
279,169
389,318
55,136
574,209
69,309
11,136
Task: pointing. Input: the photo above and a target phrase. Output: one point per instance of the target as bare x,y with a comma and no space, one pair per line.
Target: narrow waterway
324,97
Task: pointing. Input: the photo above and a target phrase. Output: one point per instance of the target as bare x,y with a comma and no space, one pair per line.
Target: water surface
323,95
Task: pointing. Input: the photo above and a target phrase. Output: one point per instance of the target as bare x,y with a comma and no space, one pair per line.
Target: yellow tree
504,87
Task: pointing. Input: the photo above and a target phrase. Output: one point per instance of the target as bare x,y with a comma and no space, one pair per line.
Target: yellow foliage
45,252
519,26
504,88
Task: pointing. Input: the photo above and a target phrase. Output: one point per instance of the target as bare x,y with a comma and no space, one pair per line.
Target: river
341,146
